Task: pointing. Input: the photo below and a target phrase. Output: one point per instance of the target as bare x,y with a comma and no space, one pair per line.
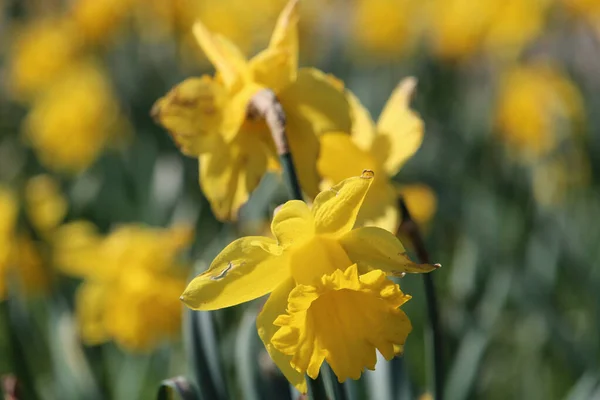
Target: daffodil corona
330,296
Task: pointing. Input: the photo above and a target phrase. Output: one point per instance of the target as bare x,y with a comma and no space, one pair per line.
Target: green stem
434,333
316,388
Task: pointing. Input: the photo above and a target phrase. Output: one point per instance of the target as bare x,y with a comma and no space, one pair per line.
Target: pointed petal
336,209
226,57
192,112
399,129
275,306
293,223
229,174
247,268
375,248
363,127
341,158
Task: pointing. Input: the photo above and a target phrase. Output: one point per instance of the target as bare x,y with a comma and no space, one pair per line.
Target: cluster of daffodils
331,296
330,293
131,281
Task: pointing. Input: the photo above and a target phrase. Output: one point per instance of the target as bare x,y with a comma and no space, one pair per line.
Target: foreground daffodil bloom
127,273
383,147
208,117
331,299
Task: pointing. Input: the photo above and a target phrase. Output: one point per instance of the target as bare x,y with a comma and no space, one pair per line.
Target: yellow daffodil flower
207,117
44,203
500,27
67,127
532,99
317,267
383,147
130,271
97,20
41,52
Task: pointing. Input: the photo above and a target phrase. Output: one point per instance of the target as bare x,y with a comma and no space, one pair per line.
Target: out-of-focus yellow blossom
537,108
384,148
97,20
587,10
208,117
317,266
45,204
501,27
385,27
132,270
71,123
8,218
41,51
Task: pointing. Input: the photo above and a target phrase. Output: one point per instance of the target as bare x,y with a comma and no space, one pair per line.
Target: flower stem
411,229
264,104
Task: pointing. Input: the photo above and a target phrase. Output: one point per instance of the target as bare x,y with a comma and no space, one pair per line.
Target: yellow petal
315,103
363,127
336,209
293,223
230,173
274,307
271,68
75,250
420,200
399,129
248,268
341,158
192,112
227,58
277,66
380,207
375,248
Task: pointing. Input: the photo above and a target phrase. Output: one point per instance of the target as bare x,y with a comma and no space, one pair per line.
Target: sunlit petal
293,223
248,268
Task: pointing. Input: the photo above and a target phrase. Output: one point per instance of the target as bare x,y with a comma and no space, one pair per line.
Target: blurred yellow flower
384,147
97,20
132,270
385,28
317,266
537,108
501,27
40,53
208,117
421,201
9,210
71,123
44,203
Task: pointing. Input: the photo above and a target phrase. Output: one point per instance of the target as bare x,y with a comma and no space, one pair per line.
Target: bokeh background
102,220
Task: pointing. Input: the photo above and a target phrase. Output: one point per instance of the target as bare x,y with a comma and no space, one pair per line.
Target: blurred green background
508,91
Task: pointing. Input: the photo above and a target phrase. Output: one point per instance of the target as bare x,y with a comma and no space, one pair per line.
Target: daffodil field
299,199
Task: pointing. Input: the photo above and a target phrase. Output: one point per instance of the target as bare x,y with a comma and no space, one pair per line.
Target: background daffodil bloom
538,107
132,270
208,116
384,148
67,127
317,264
44,203
8,218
